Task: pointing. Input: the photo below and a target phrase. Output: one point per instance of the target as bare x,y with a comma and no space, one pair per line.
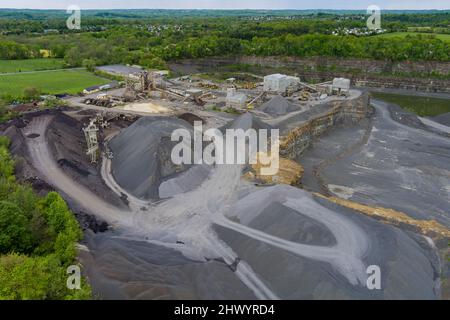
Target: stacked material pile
278,106
142,155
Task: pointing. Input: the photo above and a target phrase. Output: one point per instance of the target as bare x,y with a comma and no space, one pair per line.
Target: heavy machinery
138,85
248,85
250,105
304,95
208,85
91,135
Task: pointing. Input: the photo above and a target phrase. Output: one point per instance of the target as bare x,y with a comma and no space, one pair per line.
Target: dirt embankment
24,171
67,146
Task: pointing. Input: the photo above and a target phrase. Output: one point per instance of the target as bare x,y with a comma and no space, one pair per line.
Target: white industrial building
235,100
341,85
281,83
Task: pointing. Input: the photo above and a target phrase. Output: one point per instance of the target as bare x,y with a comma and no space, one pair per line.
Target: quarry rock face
368,72
298,137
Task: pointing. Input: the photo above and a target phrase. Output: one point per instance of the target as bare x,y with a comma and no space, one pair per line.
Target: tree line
37,240
151,45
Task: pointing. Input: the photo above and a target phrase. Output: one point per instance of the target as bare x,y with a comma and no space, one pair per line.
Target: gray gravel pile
184,182
142,155
278,106
247,121
399,255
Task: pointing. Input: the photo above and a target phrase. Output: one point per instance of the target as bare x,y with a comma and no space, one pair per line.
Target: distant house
110,86
92,89
107,86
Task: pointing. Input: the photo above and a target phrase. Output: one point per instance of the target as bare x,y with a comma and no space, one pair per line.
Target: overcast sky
226,4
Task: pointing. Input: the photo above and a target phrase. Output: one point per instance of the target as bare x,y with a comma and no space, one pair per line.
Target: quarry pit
364,187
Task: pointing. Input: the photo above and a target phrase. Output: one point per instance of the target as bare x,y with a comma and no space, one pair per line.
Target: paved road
39,71
435,125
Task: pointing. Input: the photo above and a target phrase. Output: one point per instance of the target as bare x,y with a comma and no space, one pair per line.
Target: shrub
37,240
31,93
14,232
34,278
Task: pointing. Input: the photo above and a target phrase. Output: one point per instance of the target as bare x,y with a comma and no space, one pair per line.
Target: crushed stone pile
247,121
142,155
278,106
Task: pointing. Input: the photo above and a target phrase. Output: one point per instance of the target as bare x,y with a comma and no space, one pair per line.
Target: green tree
14,232
31,93
6,162
62,225
34,278
89,64
37,240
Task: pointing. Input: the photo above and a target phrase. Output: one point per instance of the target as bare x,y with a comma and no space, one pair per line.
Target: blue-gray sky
227,4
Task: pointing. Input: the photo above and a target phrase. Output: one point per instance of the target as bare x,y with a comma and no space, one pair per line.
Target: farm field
26,65
441,36
52,82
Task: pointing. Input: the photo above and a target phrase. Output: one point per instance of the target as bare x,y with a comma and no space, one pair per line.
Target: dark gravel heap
278,106
142,155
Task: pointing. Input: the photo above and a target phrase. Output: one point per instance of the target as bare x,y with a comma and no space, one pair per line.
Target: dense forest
155,38
37,240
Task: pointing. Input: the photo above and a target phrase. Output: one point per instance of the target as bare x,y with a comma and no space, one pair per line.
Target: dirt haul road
46,165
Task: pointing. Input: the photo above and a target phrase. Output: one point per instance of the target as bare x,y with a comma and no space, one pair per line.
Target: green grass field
10,66
422,106
51,82
441,36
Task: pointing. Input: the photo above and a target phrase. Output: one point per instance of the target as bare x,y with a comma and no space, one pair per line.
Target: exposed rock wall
363,65
363,72
344,111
